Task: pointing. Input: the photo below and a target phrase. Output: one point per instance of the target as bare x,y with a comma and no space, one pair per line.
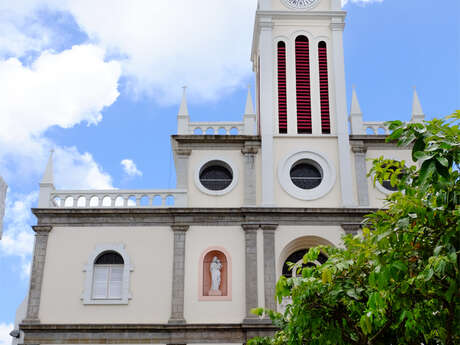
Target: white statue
215,268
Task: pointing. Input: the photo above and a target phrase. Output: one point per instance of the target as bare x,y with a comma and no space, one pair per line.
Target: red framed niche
205,292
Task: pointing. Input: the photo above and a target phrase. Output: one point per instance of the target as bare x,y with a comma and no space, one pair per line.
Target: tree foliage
398,282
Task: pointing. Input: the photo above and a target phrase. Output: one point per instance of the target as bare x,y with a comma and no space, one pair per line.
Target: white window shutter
101,277
116,281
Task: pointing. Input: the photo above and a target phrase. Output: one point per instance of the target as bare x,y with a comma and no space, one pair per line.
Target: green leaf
443,161
426,171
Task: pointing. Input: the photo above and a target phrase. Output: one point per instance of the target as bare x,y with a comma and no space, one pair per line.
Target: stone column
249,151
251,270
361,174
36,276
177,299
269,265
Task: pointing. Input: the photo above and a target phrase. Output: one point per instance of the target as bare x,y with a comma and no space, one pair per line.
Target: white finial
183,118
47,184
183,110
356,115
355,107
48,176
249,109
417,111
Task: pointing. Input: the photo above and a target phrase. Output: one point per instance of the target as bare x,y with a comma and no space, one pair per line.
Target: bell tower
297,55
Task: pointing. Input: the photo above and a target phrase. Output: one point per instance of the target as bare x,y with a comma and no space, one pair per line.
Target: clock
300,4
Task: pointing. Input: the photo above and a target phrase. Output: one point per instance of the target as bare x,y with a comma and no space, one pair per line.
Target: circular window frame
323,164
382,189
228,164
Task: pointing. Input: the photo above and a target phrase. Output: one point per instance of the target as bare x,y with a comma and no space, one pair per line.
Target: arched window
108,276
324,88
282,88
302,57
297,258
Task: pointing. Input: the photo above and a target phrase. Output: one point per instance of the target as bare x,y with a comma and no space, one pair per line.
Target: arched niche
206,293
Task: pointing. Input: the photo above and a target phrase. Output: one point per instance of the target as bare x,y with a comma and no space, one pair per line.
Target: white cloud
164,45
5,329
63,90
57,90
361,2
18,237
130,168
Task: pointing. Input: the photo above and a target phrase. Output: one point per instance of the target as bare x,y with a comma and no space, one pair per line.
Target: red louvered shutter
324,88
302,57
282,90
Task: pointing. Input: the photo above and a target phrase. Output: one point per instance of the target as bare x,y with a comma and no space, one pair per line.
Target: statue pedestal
215,293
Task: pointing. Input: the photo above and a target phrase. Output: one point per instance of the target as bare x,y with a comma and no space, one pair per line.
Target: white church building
186,266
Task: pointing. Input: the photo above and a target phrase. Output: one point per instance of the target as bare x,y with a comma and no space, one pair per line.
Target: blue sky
104,89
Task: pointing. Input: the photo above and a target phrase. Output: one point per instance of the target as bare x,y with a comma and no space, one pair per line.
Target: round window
216,176
306,175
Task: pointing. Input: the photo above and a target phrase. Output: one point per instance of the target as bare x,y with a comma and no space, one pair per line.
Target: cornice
143,333
251,216
184,143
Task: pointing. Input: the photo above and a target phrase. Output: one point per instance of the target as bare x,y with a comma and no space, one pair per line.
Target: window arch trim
87,297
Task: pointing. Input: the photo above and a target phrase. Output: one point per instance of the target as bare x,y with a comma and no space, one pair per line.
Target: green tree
398,282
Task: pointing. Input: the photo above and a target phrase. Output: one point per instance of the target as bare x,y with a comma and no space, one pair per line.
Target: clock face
301,4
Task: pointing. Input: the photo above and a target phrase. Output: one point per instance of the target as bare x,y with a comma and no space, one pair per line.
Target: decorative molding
143,333
87,297
269,227
351,228
247,217
337,26
180,227
183,152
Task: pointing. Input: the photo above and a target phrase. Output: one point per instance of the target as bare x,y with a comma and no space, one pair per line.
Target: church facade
187,265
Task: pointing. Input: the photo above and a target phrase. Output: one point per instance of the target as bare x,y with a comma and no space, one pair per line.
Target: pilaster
269,265
250,151
359,151
177,299
251,270
182,159
36,277
266,109
337,27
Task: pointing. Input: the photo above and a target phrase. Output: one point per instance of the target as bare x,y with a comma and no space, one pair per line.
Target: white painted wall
200,238
151,252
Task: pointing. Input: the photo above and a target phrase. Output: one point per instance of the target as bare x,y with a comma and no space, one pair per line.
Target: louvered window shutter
302,55
116,281
100,279
324,88
282,88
